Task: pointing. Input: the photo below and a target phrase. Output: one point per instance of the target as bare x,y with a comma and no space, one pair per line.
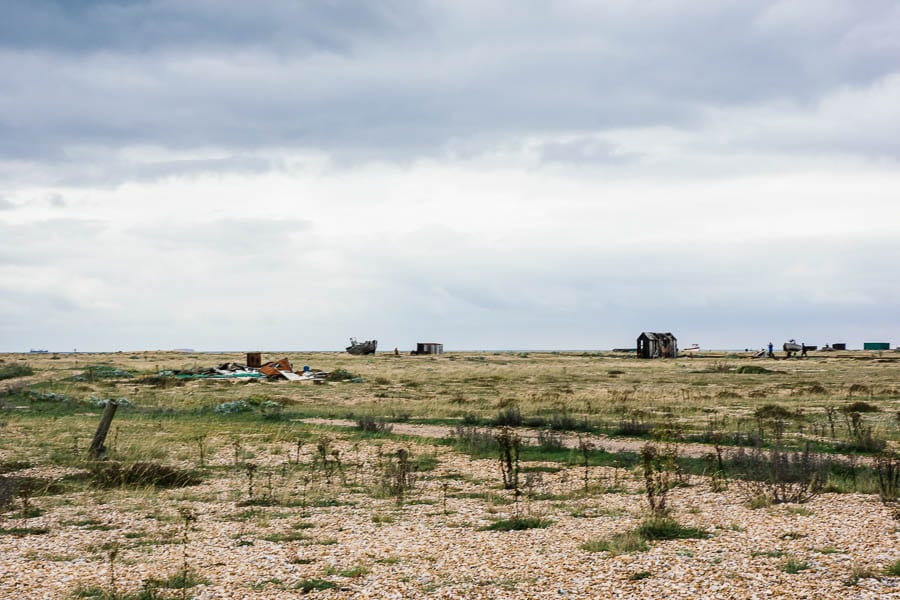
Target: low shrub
860,407
508,417
621,543
780,475
564,421
518,524
793,565
48,397
772,411
370,424
340,375
887,469
141,474
13,371
95,372
666,528
178,581
549,440
893,569
633,427
314,585
233,408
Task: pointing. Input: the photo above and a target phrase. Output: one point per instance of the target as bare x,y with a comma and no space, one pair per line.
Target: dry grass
283,505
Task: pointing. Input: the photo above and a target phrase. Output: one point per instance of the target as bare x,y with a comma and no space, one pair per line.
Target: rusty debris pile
272,371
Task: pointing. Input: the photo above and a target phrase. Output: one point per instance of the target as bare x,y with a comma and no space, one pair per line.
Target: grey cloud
48,240
407,82
584,151
233,237
141,25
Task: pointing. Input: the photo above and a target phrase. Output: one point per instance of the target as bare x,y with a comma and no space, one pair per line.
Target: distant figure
396,351
802,349
771,350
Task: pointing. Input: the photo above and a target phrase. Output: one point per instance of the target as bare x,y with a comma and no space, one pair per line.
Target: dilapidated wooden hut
657,345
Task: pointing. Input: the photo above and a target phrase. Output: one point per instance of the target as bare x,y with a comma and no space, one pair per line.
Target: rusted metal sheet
254,360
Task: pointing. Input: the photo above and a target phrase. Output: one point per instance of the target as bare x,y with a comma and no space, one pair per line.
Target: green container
877,346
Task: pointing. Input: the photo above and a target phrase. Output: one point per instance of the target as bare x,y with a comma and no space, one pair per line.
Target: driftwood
97,449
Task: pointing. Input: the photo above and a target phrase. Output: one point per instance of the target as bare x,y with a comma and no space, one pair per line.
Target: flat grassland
465,475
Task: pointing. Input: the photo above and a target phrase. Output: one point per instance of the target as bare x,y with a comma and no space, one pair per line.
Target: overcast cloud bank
504,176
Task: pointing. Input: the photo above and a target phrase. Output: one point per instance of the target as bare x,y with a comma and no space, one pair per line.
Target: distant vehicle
362,348
791,346
39,351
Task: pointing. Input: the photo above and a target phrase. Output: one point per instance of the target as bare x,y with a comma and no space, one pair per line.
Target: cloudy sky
283,174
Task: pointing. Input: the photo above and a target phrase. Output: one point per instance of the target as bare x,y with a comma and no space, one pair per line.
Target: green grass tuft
518,524
662,528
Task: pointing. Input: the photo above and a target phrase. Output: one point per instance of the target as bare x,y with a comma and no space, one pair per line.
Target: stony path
607,443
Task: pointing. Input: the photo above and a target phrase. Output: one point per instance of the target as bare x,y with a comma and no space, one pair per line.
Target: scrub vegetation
650,467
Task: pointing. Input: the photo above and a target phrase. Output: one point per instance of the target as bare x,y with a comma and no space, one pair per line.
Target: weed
95,372
780,475
233,408
398,477
860,407
639,575
621,543
887,468
859,571
768,553
510,445
381,518
793,565
141,474
473,440
314,585
23,531
861,437
370,424
634,426
508,417
657,467
550,440
179,581
290,536
665,528
353,572
13,371
858,388
585,448
518,524
341,375
893,569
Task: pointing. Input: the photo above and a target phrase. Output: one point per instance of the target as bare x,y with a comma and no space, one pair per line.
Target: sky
283,175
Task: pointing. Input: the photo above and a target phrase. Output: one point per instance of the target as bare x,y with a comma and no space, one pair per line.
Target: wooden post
97,449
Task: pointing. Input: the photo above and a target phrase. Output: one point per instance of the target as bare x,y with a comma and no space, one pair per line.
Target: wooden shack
429,348
657,345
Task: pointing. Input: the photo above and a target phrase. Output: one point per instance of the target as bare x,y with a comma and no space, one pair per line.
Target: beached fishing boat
362,348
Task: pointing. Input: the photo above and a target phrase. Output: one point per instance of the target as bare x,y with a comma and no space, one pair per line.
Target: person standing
771,350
